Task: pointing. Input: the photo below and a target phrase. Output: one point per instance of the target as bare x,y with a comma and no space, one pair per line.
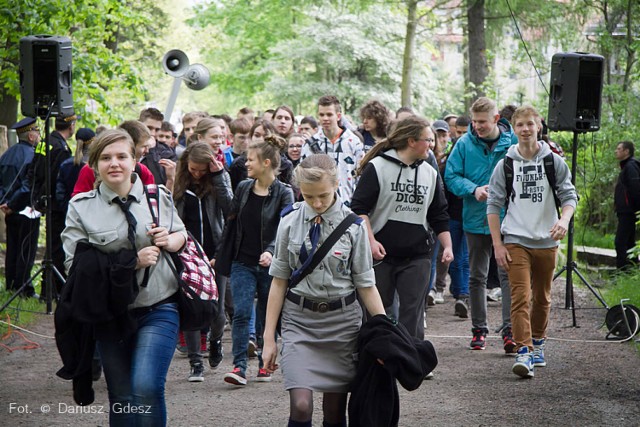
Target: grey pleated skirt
318,348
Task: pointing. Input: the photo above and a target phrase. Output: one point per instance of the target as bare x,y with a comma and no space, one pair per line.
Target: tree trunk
478,69
4,144
465,64
407,57
631,52
8,108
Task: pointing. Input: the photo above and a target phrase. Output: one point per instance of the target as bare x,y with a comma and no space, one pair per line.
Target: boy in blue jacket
469,168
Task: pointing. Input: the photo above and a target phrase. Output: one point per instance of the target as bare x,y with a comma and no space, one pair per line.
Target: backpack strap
507,165
550,172
324,249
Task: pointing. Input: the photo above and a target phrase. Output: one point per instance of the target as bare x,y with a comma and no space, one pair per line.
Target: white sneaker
431,298
524,363
494,294
439,298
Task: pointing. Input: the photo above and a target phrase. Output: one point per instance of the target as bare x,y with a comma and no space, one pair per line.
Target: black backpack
549,170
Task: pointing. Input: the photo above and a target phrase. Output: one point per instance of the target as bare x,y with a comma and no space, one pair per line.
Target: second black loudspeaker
45,76
576,92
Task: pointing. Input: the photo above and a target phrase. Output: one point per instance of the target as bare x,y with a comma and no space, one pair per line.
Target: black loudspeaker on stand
45,92
574,105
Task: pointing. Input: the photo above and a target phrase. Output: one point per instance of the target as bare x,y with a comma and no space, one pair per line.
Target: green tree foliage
244,33
614,32
110,38
297,51
356,56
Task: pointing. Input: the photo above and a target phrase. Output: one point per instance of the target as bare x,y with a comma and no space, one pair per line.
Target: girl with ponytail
250,237
401,199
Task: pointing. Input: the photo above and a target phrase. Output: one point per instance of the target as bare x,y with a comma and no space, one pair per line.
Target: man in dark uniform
627,202
22,222
65,128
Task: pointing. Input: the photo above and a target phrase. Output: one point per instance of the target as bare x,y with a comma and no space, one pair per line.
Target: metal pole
172,98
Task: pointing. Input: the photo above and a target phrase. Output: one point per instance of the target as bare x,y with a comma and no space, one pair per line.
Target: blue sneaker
524,363
538,352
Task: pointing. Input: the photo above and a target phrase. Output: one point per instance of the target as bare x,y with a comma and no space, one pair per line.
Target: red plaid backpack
198,294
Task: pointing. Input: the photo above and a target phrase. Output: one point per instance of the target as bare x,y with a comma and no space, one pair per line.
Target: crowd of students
422,191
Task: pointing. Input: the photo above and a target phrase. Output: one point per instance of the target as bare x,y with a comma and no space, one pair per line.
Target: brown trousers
530,276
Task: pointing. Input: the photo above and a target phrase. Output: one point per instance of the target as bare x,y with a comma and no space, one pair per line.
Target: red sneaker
508,342
263,376
236,377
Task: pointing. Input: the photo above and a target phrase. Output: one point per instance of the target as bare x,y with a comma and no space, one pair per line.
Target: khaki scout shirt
93,217
347,266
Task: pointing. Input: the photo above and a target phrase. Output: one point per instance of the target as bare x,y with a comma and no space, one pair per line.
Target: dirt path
585,383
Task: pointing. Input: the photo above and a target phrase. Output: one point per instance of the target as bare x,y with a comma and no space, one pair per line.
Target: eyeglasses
295,146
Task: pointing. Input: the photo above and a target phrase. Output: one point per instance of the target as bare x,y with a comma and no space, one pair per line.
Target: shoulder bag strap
323,249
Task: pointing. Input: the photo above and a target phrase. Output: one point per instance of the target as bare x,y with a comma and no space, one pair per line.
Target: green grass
624,286
21,311
588,237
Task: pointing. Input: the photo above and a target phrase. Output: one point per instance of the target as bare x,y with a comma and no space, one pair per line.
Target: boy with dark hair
339,142
239,129
161,159
247,114
152,118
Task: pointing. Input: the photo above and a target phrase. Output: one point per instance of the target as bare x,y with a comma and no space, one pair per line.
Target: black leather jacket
280,196
216,205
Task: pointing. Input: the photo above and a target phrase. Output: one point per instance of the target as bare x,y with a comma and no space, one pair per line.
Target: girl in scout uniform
321,316
114,217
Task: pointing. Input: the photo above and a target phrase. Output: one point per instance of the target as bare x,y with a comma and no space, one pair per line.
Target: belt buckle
323,307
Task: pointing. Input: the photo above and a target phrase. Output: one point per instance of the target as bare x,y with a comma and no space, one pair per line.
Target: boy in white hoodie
526,243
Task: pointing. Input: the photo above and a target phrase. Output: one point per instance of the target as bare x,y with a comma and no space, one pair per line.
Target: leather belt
321,306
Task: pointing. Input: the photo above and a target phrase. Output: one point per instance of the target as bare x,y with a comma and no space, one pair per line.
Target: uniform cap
60,120
25,125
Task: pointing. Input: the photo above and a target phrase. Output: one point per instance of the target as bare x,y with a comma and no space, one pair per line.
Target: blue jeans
136,369
434,262
459,268
252,323
245,281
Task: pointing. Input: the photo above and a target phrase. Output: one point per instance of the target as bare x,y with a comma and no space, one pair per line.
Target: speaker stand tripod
47,269
571,267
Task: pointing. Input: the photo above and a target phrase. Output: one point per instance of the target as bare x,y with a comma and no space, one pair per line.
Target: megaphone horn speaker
175,63
196,77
